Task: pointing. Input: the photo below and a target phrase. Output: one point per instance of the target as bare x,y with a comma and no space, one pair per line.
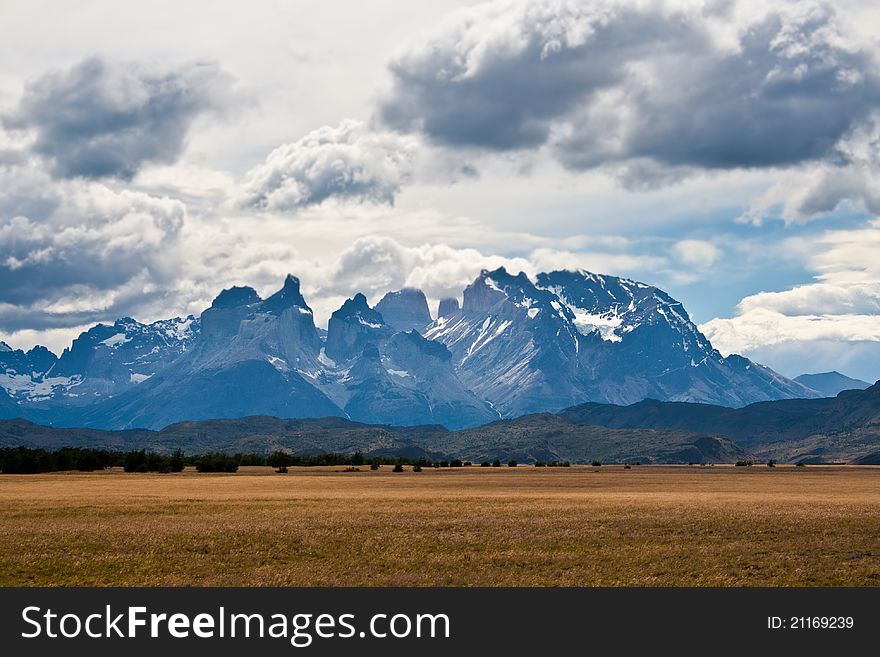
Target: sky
152,154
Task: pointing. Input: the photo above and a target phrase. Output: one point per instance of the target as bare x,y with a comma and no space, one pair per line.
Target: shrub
496,463
800,464
540,464
467,464
485,464
281,469
744,464
627,467
597,464
217,463
771,463
176,464
280,459
417,468
397,468
456,463
511,463
374,466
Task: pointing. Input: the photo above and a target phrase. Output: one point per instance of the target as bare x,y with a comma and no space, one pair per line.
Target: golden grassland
578,526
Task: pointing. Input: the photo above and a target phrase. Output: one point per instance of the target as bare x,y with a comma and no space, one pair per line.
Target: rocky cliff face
405,310
576,336
515,346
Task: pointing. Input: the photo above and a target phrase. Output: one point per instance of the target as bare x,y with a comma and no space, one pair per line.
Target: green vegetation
22,460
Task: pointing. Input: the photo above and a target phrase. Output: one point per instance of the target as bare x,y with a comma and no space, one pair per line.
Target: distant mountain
266,357
405,310
548,437
839,428
513,347
8,408
527,439
577,336
829,384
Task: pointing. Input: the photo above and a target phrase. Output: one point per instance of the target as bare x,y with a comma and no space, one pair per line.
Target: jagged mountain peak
289,296
405,309
612,307
4,347
235,297
357,307
352,327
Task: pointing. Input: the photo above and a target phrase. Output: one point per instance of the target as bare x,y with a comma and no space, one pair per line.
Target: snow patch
324,360
605,325
138,378
115,340
278,363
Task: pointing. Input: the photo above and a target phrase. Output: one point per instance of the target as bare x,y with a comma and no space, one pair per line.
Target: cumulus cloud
837,315
348,161
102,118
648,85
88,251
374,265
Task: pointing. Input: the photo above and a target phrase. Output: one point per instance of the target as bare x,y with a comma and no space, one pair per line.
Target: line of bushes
26,460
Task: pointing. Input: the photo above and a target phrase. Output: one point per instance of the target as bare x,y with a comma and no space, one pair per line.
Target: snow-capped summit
514,346
580,336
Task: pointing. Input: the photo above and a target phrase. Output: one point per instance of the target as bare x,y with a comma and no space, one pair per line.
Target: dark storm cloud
608,82
91,252
102,118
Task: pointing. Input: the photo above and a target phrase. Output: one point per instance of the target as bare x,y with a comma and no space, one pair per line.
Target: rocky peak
352,327
448,307
405,309
485,293
288,296
235,297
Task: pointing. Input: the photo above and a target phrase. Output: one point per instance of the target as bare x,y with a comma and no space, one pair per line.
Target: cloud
643,85
820,189
85,251
375,265
697,254
836,315
102,118
348,162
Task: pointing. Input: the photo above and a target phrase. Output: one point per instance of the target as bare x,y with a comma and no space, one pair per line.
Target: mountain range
836,429
513,347
539,437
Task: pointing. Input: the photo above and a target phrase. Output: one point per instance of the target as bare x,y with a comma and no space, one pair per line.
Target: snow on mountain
577,336
514,346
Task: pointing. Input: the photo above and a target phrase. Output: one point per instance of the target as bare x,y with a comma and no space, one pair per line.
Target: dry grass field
473,526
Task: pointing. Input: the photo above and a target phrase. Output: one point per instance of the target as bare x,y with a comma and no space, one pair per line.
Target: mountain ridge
513,347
